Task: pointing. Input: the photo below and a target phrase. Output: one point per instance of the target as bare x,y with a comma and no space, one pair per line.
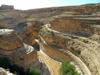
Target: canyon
44,38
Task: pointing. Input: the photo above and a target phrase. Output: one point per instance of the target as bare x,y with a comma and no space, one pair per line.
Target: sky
33,4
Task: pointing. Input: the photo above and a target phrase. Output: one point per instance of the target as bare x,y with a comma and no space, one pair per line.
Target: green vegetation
40,27
72,36
69,39
0,31
17,70
39,32
83,40
38,37
68,69
32,71
48,31
51,32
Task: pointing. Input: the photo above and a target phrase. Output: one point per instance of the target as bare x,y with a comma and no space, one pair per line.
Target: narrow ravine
52,64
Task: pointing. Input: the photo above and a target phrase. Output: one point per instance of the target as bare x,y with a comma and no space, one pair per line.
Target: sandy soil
53,65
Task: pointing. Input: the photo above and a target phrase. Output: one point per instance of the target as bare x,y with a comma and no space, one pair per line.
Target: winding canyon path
52,64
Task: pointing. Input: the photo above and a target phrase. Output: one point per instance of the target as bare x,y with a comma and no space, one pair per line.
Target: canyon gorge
44,38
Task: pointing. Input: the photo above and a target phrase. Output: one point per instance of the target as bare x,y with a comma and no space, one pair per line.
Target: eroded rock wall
18,52
10,19
76,25
28,31
78,45
4,7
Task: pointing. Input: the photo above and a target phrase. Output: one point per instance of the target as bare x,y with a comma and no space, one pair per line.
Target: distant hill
47,14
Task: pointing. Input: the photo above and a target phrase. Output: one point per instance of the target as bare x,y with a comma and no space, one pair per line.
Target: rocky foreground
45,40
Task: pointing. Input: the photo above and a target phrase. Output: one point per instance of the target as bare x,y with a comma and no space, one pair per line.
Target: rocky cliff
4,7
75,35
28,31
19,53
52,36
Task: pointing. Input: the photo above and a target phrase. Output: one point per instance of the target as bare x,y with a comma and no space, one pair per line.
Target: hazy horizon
30,4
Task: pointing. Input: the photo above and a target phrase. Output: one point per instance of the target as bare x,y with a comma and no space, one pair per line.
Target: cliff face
70,33
4,7
28,31
19,53
73,37
9,40
76,25
10,19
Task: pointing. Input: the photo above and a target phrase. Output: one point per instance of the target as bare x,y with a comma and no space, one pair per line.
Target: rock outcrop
28,31
69,33
19,53
10,19
77,35
76,25
4,7
9,40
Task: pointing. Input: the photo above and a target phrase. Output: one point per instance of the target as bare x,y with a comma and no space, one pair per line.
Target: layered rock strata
19,53
4,7
10,19
76,25
28,31
78,45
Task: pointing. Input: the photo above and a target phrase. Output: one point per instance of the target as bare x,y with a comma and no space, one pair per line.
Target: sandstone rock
9,40
28,32
78,45
75,25
10,19
76,10
19,53
26,57
10,22
10,14
3,7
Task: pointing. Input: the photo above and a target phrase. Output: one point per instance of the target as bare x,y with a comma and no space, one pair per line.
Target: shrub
68,69
72,36
48,31
38,37
40,27
83,40
7,69
39,32
17,70
52,33
33,71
